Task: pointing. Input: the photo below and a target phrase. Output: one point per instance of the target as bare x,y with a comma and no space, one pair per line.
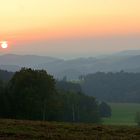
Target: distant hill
25,60
11,68
73,68
129,52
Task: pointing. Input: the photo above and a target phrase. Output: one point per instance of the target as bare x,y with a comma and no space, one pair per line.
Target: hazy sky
69,27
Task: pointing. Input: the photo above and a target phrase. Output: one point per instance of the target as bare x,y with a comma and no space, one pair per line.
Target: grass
122,114
36,130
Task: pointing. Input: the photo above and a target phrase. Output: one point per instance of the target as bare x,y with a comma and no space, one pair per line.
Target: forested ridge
113,87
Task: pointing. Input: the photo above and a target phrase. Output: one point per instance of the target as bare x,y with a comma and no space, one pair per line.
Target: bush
105,110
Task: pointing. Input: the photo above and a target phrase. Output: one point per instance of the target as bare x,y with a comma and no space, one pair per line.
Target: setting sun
4,44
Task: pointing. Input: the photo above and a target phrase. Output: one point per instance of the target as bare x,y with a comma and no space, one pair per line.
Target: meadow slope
36,130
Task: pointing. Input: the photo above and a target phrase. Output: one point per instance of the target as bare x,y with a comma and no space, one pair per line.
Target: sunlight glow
4,44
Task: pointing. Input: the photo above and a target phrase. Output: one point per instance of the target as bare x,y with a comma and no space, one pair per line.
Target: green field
36,130
122,114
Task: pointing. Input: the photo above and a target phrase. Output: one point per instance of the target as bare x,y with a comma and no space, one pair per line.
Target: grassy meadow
122,114
36,130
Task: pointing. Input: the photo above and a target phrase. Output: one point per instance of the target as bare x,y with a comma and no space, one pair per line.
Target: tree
105,110
30,92
77,107
2,106
88,109
68,86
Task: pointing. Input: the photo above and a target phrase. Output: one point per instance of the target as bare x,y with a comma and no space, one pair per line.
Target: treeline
36,95
113,87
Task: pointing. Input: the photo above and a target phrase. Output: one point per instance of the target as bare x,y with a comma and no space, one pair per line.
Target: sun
4,44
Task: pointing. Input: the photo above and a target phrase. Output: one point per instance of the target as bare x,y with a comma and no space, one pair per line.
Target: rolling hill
73,68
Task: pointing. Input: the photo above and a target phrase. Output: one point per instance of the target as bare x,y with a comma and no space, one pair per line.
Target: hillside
35,130
73,68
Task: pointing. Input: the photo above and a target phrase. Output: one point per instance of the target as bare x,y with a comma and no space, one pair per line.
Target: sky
69,27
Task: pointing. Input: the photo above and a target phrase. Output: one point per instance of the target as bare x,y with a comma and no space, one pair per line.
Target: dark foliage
32,94
113,87
105,110
68,86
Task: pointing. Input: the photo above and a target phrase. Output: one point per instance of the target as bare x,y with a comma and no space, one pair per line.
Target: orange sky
58,19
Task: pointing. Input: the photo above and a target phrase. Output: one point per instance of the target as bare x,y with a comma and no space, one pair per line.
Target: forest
121,86
35,95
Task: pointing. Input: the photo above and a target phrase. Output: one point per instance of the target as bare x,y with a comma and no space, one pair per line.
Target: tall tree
31,90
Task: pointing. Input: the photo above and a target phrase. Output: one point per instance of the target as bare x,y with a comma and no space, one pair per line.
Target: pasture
122,114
